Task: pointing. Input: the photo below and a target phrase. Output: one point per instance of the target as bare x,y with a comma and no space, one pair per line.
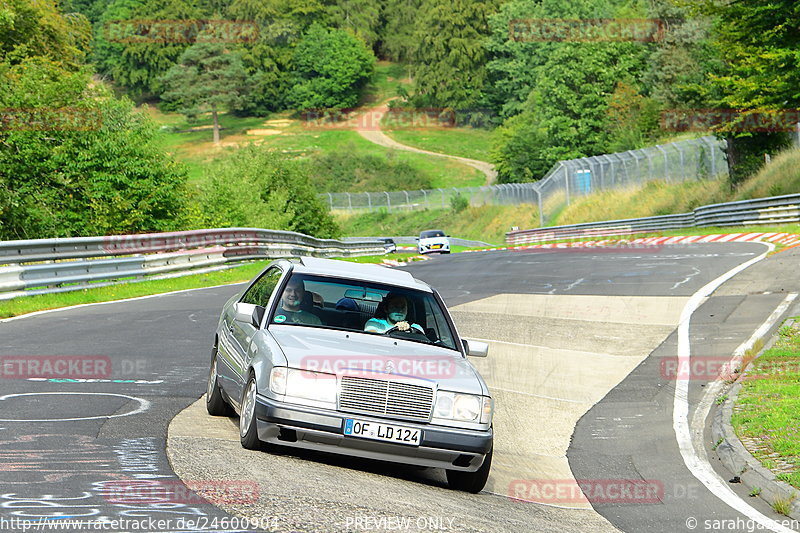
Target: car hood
378,357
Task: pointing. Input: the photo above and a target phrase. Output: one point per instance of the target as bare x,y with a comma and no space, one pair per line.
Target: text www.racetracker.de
200,523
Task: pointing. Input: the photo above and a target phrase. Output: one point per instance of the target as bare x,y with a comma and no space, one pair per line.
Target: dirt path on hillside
368,126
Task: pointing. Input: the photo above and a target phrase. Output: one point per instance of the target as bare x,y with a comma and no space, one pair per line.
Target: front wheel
248,432
215,403
471,481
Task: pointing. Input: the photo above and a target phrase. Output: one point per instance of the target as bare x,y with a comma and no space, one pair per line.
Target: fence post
666,162
441,191
408,201
425,197
369,201
388,201
541,210
683,168
567,172
330,199
349,201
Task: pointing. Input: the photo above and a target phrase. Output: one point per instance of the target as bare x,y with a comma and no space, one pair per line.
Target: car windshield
431,233
367,307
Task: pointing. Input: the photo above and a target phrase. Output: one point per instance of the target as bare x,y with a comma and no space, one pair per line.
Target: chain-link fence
692,159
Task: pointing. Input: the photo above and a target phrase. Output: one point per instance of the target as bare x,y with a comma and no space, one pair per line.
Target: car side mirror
475,348
249,314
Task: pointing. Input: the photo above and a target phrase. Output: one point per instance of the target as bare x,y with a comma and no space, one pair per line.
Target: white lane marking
144,405
587,402
699,468
36,313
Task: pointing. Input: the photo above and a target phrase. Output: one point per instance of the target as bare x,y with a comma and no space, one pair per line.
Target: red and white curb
785,239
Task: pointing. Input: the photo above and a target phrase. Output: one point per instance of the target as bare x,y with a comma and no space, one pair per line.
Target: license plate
384,432
436,246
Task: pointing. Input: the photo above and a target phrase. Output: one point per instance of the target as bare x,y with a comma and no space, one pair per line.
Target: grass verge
766,416
473,143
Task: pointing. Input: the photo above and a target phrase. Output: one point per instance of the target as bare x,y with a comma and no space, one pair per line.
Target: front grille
390,398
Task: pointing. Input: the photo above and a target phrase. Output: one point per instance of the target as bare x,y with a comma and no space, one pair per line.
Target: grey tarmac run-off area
575,338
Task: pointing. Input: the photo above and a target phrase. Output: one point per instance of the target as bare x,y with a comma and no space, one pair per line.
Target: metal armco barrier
772,210
56,265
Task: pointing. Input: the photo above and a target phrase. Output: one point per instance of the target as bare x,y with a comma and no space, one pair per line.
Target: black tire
215,402
471,481
248,430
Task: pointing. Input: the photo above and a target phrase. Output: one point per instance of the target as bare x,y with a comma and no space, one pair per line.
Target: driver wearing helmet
391,313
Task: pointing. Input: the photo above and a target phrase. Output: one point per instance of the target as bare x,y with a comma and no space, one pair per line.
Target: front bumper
429,248
323,430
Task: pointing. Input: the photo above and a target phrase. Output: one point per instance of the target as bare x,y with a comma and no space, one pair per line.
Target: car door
239,334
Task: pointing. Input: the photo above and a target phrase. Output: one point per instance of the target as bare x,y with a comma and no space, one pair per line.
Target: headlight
464,407
296,383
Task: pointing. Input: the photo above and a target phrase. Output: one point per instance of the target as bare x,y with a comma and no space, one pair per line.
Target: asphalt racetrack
582,365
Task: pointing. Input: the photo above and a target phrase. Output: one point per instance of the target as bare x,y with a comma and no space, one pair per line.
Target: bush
349,171
459,202
330,69
254,187
91,167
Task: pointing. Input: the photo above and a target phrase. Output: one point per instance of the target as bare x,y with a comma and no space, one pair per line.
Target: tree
759,43
130,47
207,78
31,28
253,187
330,67
77,161
400,24
359,17
449,60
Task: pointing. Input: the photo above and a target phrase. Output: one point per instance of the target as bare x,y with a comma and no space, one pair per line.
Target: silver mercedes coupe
353,359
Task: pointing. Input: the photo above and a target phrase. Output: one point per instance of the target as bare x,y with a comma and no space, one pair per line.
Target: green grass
196,149
485,223
768,406
386,79
780,177
29,304
473,143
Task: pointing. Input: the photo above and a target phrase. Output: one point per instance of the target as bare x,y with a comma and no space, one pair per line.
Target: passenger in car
290,309
391,313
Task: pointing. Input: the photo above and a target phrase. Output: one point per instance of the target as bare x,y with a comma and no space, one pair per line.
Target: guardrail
772,210
58,265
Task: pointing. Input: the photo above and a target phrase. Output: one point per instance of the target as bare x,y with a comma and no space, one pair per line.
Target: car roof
431,231
358,271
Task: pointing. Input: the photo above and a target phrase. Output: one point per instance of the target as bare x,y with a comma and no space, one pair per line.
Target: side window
262,289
